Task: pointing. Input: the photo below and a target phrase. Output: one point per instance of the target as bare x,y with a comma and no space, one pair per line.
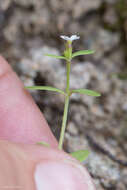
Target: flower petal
74,37
65,38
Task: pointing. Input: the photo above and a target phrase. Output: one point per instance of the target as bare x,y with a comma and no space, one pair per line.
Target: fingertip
62,174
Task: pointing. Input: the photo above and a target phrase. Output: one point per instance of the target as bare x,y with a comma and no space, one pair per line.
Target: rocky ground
31,28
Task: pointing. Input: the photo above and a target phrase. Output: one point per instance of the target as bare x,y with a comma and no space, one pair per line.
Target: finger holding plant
68,55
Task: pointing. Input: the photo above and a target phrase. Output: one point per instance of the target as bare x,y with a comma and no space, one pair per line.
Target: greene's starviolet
68,55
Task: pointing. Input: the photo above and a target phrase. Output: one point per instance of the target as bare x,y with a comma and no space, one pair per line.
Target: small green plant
68,55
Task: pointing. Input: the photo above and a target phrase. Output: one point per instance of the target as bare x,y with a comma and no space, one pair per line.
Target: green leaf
43,143
49,88
82,52
86,91
55,56
80,155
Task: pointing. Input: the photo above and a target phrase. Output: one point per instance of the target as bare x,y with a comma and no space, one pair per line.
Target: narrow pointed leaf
82,52
80,155
48,88
43,143
55,56
86,91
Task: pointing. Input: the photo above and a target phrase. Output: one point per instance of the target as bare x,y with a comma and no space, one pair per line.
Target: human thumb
34,167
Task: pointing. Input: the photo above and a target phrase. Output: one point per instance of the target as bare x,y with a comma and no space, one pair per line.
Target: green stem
68,67
64,122
65,106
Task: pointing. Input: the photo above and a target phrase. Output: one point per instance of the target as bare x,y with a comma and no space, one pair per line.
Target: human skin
24,164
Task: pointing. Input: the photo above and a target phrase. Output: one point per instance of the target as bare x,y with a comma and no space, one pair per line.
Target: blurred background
31,28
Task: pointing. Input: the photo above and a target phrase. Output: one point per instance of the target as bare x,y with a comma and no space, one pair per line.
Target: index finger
20,118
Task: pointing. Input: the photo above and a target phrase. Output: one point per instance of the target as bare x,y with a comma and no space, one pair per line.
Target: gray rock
5,4
81,7
101,41
99,167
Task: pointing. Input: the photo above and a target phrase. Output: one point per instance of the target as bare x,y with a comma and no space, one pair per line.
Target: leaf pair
49,88
82,52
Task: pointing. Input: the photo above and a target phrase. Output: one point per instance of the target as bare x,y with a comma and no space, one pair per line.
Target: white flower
72,38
